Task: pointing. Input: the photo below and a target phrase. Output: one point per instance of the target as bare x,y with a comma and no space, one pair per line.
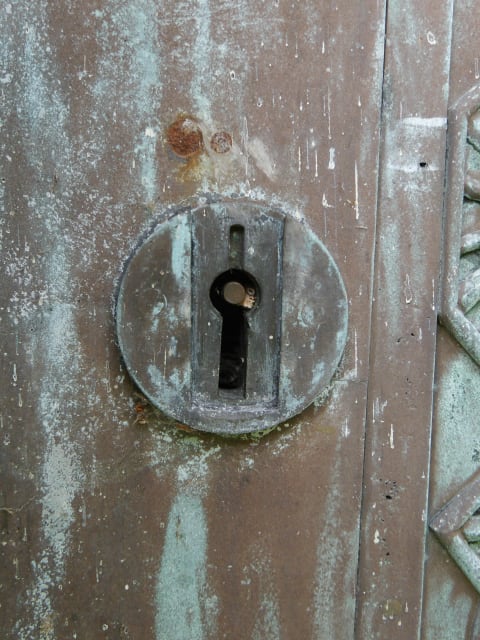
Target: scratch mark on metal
357,210
329,114
356,354
436,122
245,144
331,159
408,290
325,202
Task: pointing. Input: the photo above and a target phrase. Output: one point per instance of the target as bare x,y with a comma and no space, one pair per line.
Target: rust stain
144,411
221,142
185,427
185,137
141,417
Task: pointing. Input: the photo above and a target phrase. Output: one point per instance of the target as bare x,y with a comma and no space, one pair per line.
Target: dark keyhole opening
234,293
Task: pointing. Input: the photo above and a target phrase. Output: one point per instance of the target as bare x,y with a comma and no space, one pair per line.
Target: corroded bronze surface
404,324
117,522
451,604
215,368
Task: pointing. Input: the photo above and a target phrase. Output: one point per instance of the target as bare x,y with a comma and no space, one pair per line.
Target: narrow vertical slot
236,246
233,350
233,293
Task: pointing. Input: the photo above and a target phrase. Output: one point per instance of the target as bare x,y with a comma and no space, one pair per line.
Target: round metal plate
169,332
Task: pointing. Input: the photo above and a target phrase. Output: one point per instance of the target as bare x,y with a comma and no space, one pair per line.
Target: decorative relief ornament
460,308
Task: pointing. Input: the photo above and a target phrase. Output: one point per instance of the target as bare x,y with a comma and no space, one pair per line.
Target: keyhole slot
234,293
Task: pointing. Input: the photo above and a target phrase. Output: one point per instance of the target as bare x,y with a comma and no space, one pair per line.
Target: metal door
118,522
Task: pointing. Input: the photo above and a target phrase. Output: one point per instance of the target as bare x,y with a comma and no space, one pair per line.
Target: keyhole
233,293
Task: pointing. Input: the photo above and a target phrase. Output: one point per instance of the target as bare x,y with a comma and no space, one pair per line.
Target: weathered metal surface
457,527
451,601
116,523
173,336
404,322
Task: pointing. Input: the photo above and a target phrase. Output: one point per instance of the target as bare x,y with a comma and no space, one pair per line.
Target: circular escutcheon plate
173,338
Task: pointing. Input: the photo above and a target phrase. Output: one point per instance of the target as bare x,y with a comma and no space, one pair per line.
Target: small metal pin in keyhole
235,293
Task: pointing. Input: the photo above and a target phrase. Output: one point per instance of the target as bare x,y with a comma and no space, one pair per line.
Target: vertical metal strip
404,321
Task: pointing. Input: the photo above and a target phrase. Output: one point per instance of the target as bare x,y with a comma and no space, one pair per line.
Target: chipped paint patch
436,122
145,152
191,454
201,52
195,469
135,24
333,544
267,624
185,605
181,246
61,480
259,576
263,159
184,608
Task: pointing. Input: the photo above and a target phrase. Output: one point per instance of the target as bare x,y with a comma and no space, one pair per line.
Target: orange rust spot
142,410
185,137
221,142
184,427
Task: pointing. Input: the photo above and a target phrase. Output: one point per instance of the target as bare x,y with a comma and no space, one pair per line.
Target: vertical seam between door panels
380,154
437,306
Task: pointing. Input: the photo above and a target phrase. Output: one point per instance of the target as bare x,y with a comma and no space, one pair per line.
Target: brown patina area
221,142
185,137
